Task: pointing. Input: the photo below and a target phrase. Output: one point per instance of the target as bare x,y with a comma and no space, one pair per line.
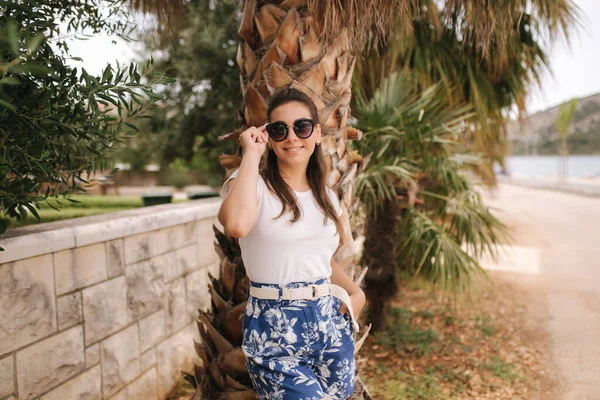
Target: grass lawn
94,201
83,206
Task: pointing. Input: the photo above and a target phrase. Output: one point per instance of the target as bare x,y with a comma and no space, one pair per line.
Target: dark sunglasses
303,128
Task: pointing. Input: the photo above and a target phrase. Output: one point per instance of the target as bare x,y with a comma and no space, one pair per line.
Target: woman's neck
295,176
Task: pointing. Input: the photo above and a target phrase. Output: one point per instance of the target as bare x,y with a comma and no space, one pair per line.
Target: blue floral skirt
299,349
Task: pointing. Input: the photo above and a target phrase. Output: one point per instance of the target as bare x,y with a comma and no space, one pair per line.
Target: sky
574,68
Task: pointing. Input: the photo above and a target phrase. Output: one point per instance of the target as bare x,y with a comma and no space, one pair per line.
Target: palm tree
495,74
310,45
490,52
420,207
564,127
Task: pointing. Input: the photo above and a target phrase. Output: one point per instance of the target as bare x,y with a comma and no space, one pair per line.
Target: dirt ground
533,334
487,346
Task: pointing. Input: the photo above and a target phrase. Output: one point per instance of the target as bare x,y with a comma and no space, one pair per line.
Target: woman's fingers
263,137
258,136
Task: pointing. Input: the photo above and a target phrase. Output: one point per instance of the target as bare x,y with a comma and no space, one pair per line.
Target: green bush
58,123
179,179
178,173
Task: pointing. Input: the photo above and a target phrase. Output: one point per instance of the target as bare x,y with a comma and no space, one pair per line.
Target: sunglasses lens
303,128
277,131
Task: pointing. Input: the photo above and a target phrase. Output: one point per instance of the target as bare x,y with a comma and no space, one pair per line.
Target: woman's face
289,113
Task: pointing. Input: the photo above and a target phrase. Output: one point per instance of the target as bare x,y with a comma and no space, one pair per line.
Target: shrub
57,122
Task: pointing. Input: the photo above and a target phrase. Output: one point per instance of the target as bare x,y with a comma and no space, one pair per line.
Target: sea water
547,166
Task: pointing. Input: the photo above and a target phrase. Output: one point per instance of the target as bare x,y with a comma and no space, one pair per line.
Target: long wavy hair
316,170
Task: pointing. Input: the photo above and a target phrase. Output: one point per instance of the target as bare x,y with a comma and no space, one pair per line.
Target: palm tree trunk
279,47
380,254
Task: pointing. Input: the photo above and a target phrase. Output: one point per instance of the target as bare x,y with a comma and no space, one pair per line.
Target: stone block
122,395
70,310
105,309
27,305
198,296
79,267
187,258
189,233
206,242
7,376
30,245
92,355
50,362
204,229
148,359
145,289
174,355
167,263
209,209
120,360
152,330
176,314
144,387
167,239
83,387
137,248
115,258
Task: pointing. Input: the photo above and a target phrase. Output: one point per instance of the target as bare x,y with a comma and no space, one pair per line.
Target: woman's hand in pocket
358,300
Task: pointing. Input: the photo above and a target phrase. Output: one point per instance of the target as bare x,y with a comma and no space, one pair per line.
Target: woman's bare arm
238,210
357,296
339,277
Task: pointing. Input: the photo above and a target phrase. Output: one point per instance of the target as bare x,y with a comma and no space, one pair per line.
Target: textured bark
279,47
379,253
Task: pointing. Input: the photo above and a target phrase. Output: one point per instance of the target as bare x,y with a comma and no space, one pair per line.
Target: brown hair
315,171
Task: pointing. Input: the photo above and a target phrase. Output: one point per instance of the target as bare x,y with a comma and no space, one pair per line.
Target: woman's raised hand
254,139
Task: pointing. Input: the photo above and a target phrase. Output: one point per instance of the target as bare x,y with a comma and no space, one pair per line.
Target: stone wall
104,307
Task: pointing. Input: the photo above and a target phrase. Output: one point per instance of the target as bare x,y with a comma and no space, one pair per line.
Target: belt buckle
314,291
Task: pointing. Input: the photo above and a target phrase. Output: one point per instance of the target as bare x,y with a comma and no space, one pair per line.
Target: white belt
308,292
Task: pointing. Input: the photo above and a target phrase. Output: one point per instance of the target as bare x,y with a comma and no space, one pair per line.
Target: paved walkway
563,232
589,188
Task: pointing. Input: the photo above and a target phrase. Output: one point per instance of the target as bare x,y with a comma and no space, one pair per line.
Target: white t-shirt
278,251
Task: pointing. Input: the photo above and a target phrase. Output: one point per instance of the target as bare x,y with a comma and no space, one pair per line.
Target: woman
297,336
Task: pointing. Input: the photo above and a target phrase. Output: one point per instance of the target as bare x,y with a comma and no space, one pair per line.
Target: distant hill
539,134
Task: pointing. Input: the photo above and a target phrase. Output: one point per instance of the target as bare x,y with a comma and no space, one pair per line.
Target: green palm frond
433,252
470,222
421,164
379,109
379,183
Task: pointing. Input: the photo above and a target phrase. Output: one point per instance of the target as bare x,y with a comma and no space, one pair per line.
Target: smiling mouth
294,149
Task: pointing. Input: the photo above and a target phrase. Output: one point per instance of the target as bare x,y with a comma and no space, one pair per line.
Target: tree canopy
205,102
487,54
57,122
